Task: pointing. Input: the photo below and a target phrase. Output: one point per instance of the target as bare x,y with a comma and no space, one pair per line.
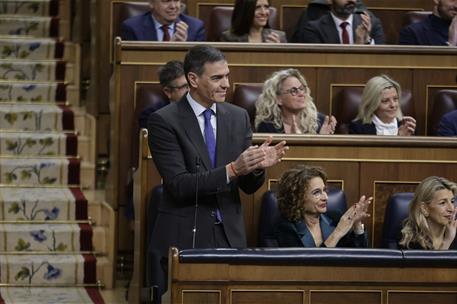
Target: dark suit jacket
268,127
357,127
289,234
431,31
314,11
323,30
228,36
448,124
176,143
142,28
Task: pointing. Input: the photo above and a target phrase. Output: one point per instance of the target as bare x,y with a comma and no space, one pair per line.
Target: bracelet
233,169
361,230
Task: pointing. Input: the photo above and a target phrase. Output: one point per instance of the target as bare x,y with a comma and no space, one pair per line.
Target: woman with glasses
285,106
380,112
432,222
305,222
250,24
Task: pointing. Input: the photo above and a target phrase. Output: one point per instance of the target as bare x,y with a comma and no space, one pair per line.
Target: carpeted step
39,171
48,269
38,144
15,25
31,49
48,295
33,92
42,204
35,117
43,71
30,7
45,238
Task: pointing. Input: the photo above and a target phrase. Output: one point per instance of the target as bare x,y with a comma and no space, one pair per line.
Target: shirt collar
198,108
158,25
338,21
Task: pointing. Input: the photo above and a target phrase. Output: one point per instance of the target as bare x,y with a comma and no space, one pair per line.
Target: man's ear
167,91
193,79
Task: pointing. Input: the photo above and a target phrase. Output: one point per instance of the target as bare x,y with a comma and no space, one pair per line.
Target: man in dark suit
344,26
448,124
440,28
163,23
315,10
202,138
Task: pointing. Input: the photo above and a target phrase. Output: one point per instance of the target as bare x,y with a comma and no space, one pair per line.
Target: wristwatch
369,40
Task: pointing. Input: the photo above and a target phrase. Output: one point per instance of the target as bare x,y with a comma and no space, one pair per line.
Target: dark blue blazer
296,234
448,124
431,31
268,127
142,28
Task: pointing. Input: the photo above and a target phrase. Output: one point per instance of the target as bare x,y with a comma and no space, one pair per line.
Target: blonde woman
380,112
285,106
432,222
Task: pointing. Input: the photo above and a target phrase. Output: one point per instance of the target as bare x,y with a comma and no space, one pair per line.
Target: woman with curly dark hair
302,200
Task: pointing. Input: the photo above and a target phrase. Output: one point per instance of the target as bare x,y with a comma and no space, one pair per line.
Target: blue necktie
209,137
211,145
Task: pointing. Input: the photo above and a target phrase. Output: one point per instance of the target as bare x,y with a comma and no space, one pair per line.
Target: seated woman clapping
302,202
250,23
285,106
432,222
380,112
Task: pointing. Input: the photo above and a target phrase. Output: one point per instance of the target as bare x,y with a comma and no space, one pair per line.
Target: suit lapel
326,227
304,234
223,133
149,29
193,132
329,28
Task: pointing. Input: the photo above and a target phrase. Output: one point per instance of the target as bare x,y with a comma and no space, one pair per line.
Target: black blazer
176,144
290,234
431,31
268,127
357,127
323,30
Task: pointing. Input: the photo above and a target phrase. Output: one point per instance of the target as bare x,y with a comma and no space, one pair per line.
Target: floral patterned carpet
46,237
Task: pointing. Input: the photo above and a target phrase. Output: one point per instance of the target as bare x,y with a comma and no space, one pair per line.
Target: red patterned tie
345,34
166,34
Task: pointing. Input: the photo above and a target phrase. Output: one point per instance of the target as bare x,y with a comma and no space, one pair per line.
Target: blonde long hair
416,228
268,110
372,97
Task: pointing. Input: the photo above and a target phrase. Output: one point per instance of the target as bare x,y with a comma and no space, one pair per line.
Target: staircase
56,231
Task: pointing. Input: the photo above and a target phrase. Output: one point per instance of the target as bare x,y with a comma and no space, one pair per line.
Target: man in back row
440,28
344,25
164,22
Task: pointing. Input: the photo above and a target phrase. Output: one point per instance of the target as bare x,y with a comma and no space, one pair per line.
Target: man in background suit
448,124
440,28
344,26
163,23
203,138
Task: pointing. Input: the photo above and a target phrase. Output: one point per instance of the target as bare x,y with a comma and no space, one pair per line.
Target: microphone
194,230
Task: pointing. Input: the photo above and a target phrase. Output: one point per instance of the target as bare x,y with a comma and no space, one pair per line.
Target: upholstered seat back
269,214
415,16
221,18
347,101
124,10
444,101
245,96
397,210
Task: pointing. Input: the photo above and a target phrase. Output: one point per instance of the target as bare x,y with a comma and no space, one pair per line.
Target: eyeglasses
184,86
294,91
319,193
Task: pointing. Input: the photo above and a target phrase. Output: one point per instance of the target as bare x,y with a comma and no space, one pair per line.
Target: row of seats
346,103
220,19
